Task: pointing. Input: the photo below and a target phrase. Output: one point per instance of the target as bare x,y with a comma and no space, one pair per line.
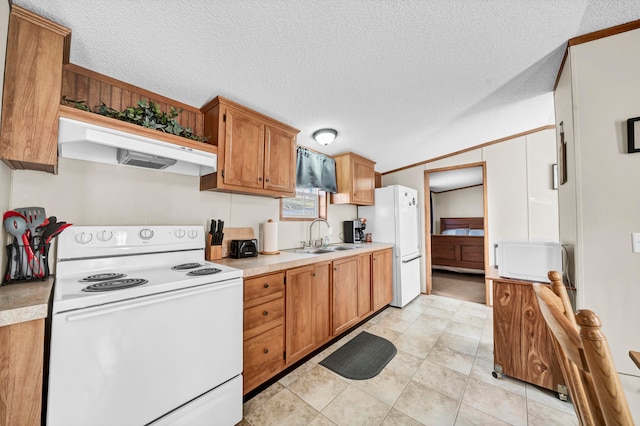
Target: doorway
456,225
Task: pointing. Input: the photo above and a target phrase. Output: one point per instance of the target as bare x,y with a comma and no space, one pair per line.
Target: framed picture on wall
633,135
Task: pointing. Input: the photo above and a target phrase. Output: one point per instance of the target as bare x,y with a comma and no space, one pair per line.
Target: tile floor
441,375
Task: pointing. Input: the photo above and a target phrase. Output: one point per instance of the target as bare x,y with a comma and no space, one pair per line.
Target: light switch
635,242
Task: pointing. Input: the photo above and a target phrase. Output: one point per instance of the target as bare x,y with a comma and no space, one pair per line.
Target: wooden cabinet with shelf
36,51
381,278
308,307
355,178
264,322
256,154
522,346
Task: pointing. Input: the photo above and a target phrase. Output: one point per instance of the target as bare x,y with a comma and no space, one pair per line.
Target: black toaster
240,249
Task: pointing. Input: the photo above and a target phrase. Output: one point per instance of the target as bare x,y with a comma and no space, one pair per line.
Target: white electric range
144,331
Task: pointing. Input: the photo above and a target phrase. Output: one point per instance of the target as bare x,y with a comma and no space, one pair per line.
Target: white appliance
394,219
529,260
143,331
90,142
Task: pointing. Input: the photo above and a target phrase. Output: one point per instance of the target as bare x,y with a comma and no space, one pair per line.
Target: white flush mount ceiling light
325,136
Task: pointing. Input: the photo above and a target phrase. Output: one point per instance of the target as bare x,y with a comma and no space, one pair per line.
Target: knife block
212,252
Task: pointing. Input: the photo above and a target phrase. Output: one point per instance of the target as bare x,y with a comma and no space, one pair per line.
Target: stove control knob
180,233
193,234
145,234
83,237
104,235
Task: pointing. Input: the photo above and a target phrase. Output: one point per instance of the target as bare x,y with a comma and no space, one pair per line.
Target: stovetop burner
102,277
182,266
204,271
115,284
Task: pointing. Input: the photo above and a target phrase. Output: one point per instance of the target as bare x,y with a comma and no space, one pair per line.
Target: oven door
132,362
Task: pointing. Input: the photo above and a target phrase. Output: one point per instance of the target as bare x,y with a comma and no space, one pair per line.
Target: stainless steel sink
320,250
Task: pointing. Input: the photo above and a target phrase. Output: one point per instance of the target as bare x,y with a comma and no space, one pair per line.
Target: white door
408,238
131,362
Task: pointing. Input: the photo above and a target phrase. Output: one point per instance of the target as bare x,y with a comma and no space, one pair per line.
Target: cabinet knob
260,179
265,313
314,274
266,285
268,180
266,351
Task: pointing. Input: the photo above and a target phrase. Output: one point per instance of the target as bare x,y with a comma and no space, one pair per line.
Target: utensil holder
19,269
212,252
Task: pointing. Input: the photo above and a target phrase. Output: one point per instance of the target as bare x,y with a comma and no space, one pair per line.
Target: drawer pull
266,285
265,313
266,351
314,274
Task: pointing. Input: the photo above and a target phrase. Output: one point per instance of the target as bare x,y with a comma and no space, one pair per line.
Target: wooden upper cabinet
36,51
256,154
280,155
355,176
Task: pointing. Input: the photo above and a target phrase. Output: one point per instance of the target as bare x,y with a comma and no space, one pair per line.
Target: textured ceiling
401,81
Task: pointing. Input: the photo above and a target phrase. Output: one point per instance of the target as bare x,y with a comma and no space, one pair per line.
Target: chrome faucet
311,242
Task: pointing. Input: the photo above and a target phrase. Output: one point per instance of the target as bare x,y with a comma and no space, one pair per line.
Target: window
308,204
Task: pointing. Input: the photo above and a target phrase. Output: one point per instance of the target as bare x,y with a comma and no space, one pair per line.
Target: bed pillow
460,231
476,232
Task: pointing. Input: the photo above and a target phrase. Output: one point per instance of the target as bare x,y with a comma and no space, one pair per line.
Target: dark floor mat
361,358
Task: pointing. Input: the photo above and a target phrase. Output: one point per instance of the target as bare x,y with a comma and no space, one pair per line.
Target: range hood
90,142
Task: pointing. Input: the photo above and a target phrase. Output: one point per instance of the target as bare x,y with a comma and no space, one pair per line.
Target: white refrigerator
395,219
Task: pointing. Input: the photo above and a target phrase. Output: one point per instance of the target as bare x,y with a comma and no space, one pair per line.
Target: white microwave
529,260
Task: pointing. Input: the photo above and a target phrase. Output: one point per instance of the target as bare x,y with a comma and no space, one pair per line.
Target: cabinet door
345,294
244,150
382,278
507,326
279,160
299,313
364,285
322,303
32,86
308,321
363,181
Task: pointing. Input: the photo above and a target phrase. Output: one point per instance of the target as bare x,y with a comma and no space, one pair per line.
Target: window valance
315,170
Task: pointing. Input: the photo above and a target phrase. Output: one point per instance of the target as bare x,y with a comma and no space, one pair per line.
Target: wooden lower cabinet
345,294
289,314
522,347
21,361
263,348
381,278
308,310
364,285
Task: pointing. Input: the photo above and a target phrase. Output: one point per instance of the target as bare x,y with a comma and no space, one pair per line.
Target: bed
460,245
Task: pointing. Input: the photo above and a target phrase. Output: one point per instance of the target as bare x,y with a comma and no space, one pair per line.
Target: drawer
263,357
266,287
263,317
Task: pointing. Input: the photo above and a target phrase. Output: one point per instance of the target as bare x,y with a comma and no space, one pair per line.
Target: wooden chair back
584,356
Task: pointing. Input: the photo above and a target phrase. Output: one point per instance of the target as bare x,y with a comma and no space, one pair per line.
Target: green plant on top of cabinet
355,178
36,51
308,310
256,154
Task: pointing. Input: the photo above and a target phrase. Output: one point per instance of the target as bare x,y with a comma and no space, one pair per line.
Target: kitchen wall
600,203
521,202
5,172
86,193
466,202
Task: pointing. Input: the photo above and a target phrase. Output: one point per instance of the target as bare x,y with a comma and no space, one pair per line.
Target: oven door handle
147,300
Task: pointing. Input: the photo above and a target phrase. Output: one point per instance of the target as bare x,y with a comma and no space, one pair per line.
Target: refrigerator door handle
412,259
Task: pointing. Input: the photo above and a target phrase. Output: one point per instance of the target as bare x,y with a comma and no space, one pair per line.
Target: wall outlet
635,242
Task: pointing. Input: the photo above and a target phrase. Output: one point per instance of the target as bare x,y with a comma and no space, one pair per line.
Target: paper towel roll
270,237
